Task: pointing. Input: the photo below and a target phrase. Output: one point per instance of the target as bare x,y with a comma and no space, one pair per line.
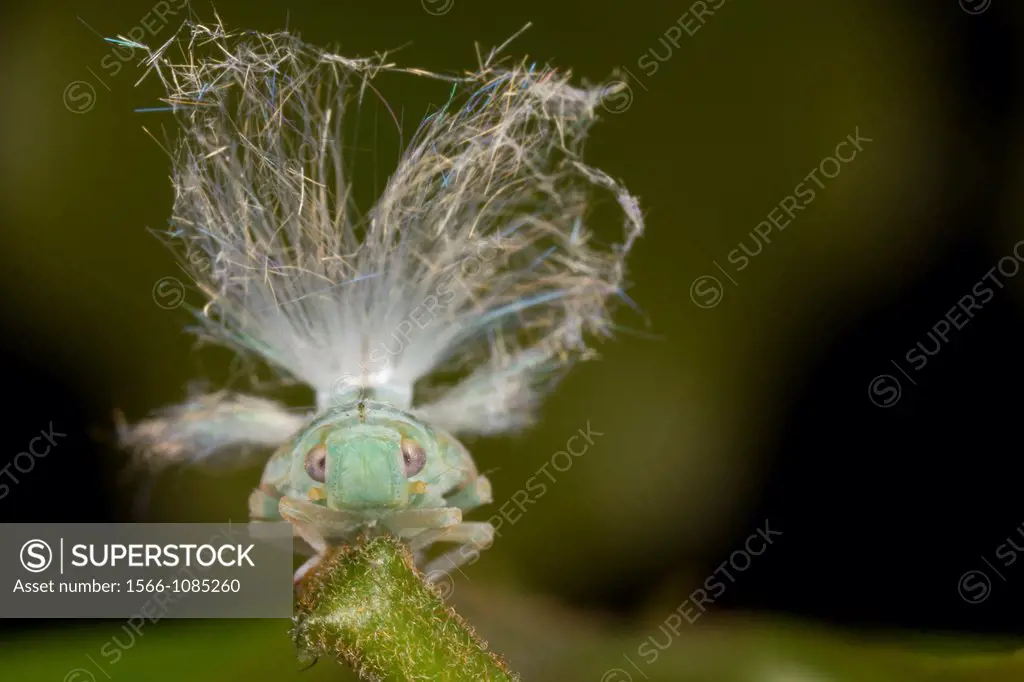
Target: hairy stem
367,605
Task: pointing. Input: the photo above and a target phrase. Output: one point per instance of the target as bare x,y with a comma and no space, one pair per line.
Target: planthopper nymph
443,311
366,466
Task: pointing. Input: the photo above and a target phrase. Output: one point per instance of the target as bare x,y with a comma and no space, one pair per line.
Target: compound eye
316,463
414,456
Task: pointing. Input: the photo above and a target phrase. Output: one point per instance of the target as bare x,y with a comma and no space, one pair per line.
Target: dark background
717,418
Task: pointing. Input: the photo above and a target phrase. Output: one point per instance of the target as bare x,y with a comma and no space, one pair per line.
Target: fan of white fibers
476,259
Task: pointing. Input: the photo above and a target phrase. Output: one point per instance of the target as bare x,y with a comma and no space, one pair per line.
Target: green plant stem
367,605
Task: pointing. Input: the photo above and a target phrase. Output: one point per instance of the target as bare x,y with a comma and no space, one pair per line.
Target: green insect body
366,468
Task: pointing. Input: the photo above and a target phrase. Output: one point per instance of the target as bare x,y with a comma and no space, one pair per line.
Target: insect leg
263,504
402,522
317,526
472,537
328,524
306,567
306,530
477,493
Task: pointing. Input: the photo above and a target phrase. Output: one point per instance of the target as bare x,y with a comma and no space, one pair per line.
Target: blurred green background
692,401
